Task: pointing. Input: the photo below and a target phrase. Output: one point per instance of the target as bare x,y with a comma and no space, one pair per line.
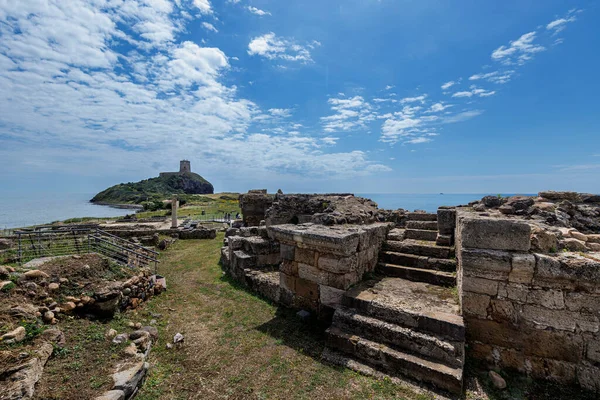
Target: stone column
174,207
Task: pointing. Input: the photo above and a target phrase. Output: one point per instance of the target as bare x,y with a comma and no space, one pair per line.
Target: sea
18,211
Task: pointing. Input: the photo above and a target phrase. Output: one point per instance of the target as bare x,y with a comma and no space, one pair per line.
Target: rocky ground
45,308
561,221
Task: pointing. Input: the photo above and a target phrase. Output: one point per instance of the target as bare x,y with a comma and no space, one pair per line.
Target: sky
364,96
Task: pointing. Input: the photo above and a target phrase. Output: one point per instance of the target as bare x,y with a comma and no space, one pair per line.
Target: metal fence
48,242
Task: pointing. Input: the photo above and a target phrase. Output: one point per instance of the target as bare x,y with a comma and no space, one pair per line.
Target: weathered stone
480,285
556,196
496,234
338,265
560,319
446,219
48,316
16,335
593,350
593,238
578,235
110,334
53,286
36,274
523,267
330,296
6,285
287,282
502,310
443,240
513,291
497,380
547,297
542,240
489,264
589,377
305,256
112,395
307,289
506,209
593,247
129,378
475,304
492,201
572,244
287,252
19,382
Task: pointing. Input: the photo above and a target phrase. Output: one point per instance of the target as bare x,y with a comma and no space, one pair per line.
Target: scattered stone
497,380
572,244
128,379
4,272
169,346
35,274
6,285
48,316
130,350
152,322
152,331
63,280
178,338
69,306
76,257
506,209
30,286
492,201
303,315
112,395
110,334
16,335
138,334
120,338
53,286
578,235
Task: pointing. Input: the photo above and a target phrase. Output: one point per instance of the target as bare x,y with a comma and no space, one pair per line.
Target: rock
4,272
142,342
120,338
590,198
48,316
556,196
36,274
128,378
112,395
137,325
76,257
578,235
6,285
138,334
543,240
479,207
63,280
303,315
24,311
110,334
16,335
54,335
131,324
492,201
30,286
497,380
5,244
169,346
506,209
178,338
593,238
152,322
593,246
152,331
68,306
126,291
53,286
573,244
130,350
19,381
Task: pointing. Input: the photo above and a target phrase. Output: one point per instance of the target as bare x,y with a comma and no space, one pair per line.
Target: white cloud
418,140
560,24
448,85
494,77
257,11
518,51
329,140
204,6
475,91
462,116
68,86
209,27
420,99
438,107
349,114
272,47
389,87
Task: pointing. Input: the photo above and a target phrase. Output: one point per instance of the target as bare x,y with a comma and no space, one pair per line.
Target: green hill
154,189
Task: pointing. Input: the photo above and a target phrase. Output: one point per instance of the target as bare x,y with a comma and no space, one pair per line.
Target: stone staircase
406,322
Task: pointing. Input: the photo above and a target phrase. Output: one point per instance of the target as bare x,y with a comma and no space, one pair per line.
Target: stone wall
319,263
533,312
254,205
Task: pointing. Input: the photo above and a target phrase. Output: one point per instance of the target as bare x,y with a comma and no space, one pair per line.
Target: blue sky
361,96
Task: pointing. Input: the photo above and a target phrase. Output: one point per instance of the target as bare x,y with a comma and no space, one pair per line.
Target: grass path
237,345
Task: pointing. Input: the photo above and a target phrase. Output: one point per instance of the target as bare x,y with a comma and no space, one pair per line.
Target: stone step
396,234
399,338
431,276
420,234
421,306
428,225
415,261
396,362
419,247
415,216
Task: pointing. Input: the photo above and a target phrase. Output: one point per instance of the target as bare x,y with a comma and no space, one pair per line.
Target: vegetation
154,189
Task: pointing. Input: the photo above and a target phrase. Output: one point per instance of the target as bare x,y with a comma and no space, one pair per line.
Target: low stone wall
319,263
536,313
254,205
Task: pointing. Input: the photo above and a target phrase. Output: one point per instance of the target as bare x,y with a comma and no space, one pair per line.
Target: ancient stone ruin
515,281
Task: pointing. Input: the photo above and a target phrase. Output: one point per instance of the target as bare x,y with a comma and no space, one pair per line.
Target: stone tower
184,166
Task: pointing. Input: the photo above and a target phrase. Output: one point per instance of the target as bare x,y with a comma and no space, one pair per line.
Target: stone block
503,310
306,256
443,240
446,221
495,234
307,289
287,252
480,285
488,264
289,267
268,259
549,298
475,304
310,273
523,268
564,320
589,377
330,296
567,272
593,350
581,301
287,282
338,265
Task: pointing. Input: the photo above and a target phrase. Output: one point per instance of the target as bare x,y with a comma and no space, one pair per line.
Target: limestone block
443,240
268,259
567,272
503,310
593,350
475,304
312,274
287,282
581,301
523,267
307,289
578,235
330,296
289,267
480,285
589,377
496,234
489,264
593,238
338,265
560,319
572,244
446,218
549,298
287,252
343,281
305,256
